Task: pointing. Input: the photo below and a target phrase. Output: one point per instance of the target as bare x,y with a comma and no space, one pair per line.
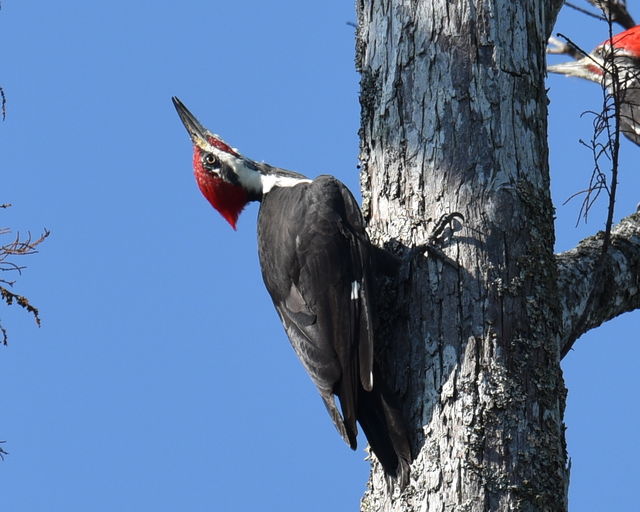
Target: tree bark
596,287
454,120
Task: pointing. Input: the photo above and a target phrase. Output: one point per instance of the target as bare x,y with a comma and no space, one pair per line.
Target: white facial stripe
248,178
251,178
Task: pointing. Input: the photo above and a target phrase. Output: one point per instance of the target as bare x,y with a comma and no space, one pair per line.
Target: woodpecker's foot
447,218
436,238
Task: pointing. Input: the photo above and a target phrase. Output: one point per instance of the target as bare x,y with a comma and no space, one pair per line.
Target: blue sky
161,378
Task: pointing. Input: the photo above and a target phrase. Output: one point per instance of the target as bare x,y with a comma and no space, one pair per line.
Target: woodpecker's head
626,53
226,178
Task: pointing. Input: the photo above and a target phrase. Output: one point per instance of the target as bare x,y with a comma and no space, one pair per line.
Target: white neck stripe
273,180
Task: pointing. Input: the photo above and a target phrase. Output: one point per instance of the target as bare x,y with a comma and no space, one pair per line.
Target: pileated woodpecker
316,263
624,51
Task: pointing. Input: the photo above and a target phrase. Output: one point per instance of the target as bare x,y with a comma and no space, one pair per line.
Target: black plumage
316,261
316,258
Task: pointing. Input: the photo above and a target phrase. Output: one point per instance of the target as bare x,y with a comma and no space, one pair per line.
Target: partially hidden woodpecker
316,262
624,51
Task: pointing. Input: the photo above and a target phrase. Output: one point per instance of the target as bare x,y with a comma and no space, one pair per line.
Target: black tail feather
384,426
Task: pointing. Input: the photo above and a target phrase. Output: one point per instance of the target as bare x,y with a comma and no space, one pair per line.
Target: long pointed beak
587,68
197,132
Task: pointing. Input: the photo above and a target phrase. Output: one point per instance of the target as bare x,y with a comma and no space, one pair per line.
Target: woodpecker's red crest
222,174
628,41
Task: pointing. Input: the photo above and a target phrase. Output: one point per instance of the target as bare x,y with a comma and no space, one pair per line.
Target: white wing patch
355,290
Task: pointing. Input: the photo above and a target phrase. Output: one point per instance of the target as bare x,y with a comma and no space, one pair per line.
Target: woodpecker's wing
314,259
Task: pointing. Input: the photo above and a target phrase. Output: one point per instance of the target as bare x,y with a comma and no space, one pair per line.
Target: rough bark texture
454,120
596,287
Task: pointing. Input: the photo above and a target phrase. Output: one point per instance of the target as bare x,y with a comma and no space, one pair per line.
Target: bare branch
595,286
612,124
10,298
584,11
16,247
3,104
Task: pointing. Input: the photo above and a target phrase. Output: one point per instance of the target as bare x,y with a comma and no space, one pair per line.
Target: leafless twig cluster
17,246
617,94
604,145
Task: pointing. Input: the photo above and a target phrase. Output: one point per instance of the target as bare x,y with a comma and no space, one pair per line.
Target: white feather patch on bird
355,290
273,180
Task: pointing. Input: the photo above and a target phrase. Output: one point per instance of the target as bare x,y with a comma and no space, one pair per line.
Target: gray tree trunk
454,120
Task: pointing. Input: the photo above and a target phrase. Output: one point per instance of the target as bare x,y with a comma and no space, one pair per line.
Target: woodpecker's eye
210,160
